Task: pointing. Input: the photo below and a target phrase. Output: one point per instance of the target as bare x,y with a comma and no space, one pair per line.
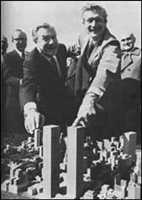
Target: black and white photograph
71,100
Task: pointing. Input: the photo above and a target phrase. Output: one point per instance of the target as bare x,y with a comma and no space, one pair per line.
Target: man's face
94,23
127,43
47,41
19,40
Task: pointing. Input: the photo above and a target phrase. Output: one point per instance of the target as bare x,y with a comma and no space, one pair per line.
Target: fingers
34,121
27,126
82,123
79,122
42,121
76,122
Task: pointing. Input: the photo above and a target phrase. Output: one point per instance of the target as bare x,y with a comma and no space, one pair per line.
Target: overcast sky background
123,16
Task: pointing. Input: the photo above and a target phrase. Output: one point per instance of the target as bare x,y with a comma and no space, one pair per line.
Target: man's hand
33,120
85,116
86,111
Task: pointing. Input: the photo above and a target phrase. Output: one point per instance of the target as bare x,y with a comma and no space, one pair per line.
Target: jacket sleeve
108,69
28,89
8,76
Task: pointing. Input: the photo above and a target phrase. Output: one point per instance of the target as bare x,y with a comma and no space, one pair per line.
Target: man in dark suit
131,82
44,73
97,75
4,46
13,74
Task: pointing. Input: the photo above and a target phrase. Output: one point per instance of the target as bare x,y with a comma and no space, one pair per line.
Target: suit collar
126,61
136,51
19,53
106,38
16,54
129,59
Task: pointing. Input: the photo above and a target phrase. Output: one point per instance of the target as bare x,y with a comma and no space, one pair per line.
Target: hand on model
33,120
86,111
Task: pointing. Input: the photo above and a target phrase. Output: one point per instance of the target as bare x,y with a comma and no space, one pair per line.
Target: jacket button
129,69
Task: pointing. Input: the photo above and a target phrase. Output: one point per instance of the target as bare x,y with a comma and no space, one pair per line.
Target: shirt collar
19,52
134,51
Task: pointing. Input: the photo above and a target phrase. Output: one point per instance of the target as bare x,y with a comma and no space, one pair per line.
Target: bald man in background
131,83
13,74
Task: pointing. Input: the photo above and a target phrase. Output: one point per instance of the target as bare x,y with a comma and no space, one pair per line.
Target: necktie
90,49
54,58
23,56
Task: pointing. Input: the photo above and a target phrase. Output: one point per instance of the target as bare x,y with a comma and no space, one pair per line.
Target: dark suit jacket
42,84
131,73
13,69
12,73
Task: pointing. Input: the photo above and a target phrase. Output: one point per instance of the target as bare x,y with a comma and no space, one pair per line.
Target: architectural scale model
75,167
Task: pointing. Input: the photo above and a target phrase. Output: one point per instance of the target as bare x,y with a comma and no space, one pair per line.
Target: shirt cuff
29,106
95,90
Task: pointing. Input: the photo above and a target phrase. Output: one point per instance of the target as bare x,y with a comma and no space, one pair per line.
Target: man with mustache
12,75
131,83
97,76
44,73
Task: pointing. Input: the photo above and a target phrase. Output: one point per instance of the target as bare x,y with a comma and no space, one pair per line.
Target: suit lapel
126,61
83,49
94,54
17,56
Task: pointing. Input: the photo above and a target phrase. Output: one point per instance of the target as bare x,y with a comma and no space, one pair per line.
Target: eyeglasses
126,39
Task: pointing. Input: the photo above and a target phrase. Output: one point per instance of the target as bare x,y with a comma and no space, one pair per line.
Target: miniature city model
75,167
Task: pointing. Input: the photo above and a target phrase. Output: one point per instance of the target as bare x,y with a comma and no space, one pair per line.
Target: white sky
66,17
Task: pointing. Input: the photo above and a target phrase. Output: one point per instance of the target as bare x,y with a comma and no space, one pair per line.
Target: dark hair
93,6
35,30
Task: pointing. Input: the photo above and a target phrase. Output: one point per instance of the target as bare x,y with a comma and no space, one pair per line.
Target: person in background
97,76
4,46
44,74
131,83
13,74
